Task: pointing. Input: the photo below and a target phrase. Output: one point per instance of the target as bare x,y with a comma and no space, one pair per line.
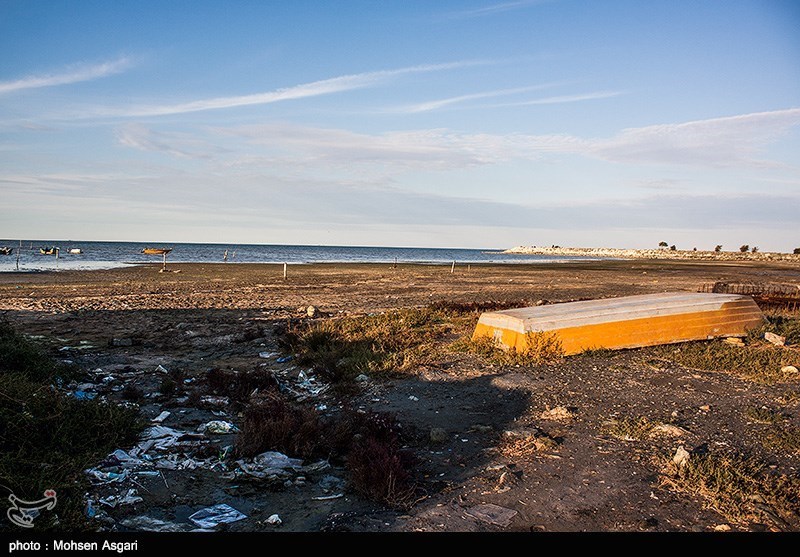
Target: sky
470,123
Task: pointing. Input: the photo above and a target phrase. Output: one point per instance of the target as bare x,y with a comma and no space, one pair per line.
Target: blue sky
410,123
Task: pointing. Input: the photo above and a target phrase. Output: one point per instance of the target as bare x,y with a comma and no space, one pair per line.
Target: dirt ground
198,317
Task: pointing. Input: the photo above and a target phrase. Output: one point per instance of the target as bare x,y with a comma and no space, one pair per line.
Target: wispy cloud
143,138
713,142
561,99
290,149
495,8
441,103
305,90
70,74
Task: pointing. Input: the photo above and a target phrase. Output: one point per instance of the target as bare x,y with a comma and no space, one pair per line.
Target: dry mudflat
590,442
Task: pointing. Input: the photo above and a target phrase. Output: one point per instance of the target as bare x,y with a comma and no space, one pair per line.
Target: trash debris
218,426
362,378
275,520
284,359
129,498
492,514
557,413
735,341
148,524
161,417
90,511
789,369
267,354
83,395
321,407
123,459
705,408
681,457
413,398
722,528
161,369
777,340
328,497
106,477
211,517
215,400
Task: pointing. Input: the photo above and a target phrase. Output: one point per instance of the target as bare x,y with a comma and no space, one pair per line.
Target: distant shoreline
655,254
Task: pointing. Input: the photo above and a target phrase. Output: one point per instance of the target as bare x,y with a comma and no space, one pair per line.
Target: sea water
107,255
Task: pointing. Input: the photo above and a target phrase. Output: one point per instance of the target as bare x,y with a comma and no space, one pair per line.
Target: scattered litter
681,457
327,497
362,378
215,400
777,340
90,511
722,528
284,359
413,398
188,380
275,520
322,407
129,498
270,465
121,458
148,524
211,517
83,395
492,514
107,477
705,408
267,354
161,369
558,413
735,341
161,417
789,369
218,426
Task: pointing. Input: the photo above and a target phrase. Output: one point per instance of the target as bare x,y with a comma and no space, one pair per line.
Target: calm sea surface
106,255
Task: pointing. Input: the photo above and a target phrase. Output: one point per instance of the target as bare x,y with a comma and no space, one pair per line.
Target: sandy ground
199,318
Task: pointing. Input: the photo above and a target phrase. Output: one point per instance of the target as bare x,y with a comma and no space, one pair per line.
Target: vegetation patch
759,363
541,348
396,341
369,444
630,429
742,489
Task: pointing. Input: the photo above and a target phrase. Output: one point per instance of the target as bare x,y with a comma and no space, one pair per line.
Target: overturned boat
627,322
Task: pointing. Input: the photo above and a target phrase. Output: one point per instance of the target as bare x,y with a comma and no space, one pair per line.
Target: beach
497,446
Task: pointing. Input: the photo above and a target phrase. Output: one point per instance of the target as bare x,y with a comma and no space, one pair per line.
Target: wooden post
453,268
284,271
164,267
19,250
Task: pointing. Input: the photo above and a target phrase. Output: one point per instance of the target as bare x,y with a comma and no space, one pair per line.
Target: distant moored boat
75,251
156,251
48,251
6,251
